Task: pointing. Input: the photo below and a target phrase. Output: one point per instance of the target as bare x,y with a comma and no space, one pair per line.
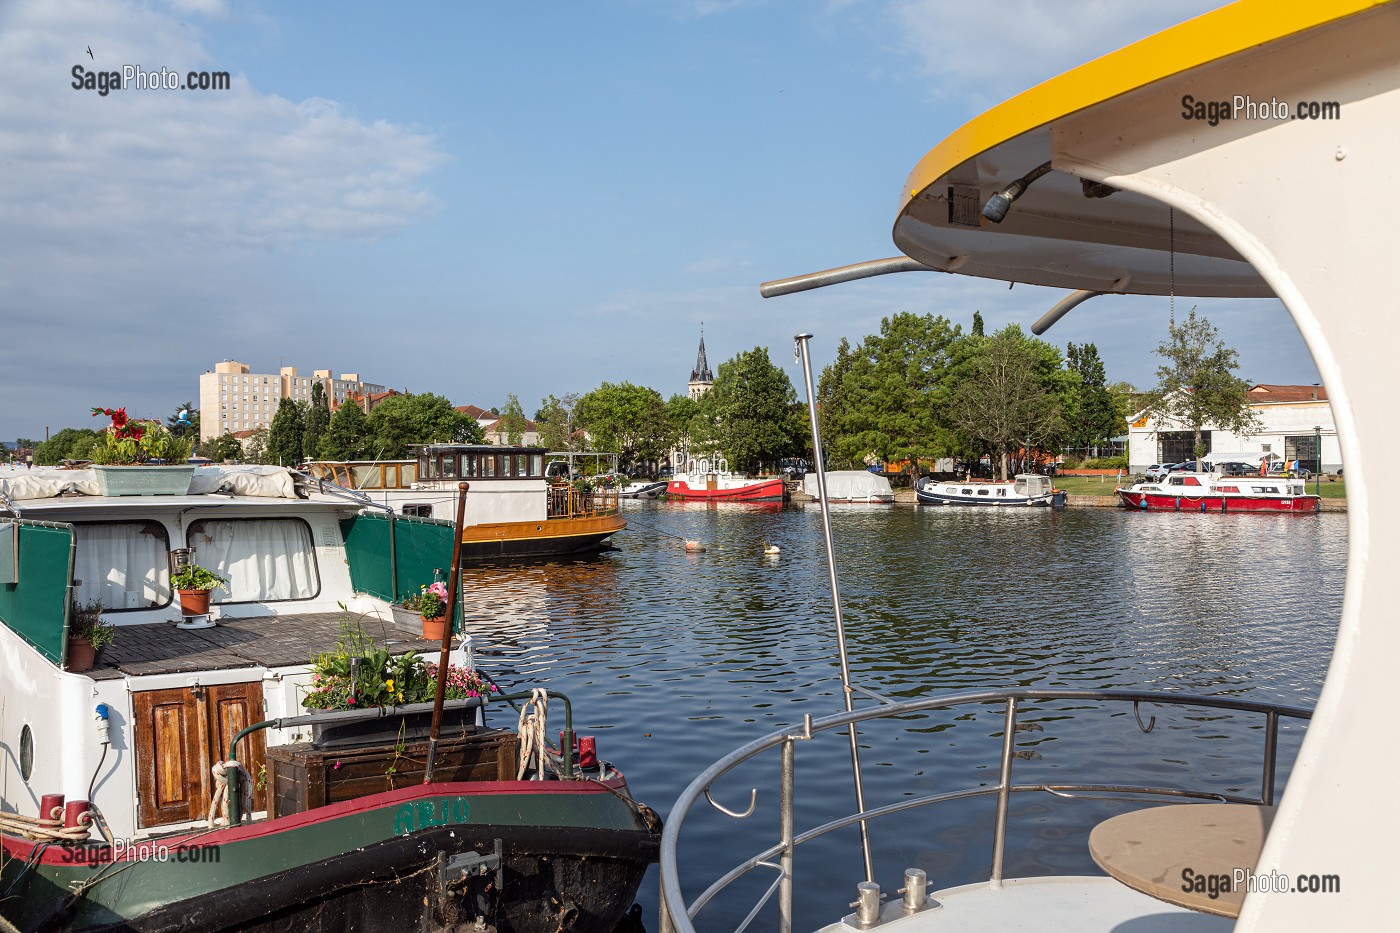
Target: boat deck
262,641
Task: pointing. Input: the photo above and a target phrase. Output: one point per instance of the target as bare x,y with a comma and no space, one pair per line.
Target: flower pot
139,479
80,655
194,602
433,628
406,620
410,723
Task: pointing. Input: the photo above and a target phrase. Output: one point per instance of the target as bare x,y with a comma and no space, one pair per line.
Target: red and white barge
707,480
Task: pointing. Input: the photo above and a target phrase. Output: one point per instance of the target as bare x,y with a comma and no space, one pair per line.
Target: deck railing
566,501
677,915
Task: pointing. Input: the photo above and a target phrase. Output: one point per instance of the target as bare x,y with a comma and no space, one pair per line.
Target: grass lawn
1103,486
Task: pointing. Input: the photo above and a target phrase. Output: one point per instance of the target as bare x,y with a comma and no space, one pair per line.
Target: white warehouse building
1295,421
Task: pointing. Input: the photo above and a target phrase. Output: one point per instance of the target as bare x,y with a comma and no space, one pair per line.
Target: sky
478,199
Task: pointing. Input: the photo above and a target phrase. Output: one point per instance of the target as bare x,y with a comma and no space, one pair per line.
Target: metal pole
1317,450
802,352
786,824
1008,743
454,583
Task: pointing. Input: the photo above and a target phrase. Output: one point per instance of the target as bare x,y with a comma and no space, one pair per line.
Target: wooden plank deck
266,641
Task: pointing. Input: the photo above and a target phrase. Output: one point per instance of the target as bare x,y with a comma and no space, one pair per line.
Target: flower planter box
407,621
416,720
144,480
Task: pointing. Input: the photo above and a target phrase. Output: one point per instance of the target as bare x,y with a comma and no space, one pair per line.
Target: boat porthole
26,752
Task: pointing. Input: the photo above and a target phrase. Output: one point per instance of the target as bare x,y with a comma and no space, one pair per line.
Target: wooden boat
1155,171
1026,489
513,509
1207,492
108,779
706,480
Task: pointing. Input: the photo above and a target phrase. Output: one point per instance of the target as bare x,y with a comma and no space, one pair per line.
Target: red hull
1159,502
763,490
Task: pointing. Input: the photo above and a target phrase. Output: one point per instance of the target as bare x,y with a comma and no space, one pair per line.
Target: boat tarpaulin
857,485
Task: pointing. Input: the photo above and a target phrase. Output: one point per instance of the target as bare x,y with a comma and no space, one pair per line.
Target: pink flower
439,590
336,766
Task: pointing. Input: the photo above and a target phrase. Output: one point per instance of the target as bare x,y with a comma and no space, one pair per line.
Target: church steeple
700,377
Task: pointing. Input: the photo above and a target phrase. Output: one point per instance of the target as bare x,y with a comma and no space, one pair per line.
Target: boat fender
694,547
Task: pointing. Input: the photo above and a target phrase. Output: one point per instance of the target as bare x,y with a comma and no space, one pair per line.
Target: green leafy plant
129,441
431,601
358,673
85,621
195,577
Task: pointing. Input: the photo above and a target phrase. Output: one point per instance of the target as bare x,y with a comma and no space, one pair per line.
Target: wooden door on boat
180,734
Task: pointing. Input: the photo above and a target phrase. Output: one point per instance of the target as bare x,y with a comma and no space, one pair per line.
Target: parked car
1157,472
1235,468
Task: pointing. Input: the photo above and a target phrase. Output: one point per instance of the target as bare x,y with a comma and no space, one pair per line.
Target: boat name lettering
423,814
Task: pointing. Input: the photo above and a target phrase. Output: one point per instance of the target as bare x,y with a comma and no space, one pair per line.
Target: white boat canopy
850,484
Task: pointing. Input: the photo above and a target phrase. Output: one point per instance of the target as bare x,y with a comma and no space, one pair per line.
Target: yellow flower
390,684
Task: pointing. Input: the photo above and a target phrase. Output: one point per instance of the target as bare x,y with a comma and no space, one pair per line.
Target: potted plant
194,583
431,606
130,443
88,634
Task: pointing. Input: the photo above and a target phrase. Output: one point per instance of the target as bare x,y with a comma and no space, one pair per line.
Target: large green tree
555,421
753,410
284,436
626,419
887,403
347,437
187,426
224,447
67,444
425,418
318,419
1010,391
1092,414
1197,385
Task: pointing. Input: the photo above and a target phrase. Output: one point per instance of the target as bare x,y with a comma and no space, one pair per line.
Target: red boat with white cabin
706,480
1207,492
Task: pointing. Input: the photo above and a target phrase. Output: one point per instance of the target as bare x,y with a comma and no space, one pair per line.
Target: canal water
673,659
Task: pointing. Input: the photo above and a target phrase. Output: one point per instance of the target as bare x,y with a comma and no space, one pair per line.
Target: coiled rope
218,803
532,733
52,828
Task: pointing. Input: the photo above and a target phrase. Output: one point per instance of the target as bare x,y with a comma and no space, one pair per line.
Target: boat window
1227,488
449,466
984,492
967,492
427,466
1174,481
537,465
417,509
365,476
1020,484
522,465
488,465
1190,481
1001,492
264,559
126,565
408,475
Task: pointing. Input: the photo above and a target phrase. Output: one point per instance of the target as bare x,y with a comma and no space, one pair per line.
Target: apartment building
233,398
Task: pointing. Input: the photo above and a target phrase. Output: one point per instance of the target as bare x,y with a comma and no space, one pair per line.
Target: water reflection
674,658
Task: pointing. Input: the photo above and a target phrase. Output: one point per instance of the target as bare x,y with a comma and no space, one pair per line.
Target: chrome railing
677,915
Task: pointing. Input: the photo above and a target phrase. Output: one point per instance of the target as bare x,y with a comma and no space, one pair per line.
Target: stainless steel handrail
676,915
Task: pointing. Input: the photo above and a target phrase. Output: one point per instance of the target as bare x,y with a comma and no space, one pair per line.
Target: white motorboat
1156,170
1025,489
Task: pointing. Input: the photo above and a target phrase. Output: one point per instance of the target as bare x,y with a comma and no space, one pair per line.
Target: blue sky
476,199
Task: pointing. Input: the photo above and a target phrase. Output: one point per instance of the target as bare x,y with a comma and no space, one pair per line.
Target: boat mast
800,346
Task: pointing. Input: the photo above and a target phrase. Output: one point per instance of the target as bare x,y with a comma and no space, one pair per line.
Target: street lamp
1317,449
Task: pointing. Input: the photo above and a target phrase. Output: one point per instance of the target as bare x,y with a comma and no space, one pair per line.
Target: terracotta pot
80,655
194,602
433,628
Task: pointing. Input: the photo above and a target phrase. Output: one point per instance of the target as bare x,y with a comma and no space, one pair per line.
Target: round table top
1192,855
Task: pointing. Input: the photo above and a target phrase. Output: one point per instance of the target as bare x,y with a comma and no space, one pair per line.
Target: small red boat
711,481
1205,492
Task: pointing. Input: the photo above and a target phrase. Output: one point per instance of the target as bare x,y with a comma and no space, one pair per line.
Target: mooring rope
218,803
532,732
36,827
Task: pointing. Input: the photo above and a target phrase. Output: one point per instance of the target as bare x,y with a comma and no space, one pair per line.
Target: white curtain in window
123,564
263,559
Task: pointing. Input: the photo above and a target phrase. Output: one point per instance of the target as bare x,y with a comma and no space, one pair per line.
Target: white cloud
990,50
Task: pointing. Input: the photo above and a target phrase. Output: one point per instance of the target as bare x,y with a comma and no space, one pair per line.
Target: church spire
700,377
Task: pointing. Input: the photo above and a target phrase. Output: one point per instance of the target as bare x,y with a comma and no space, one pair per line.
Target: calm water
674,659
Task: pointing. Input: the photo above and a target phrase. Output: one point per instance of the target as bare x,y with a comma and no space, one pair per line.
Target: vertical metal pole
662,914
1008,742
786,827
802,350
454,584
1266,791
1317,451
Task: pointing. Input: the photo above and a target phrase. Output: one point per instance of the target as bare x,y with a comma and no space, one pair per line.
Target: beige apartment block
233,398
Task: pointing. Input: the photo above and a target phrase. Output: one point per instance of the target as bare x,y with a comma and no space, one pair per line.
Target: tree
513,422
555,421
977,325
224,447
425,418
1197,384
888,403
67,444
187,426
627,419
347,436
1010,393
832,404
1092,415
753,410
255,446
318,419
284,437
